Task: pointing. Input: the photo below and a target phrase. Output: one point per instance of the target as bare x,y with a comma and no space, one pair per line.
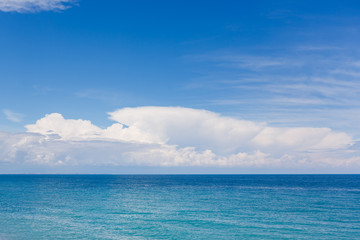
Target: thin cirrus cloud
175,136
23,6
311,86
13,116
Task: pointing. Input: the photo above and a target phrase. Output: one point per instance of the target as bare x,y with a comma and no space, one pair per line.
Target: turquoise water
179,206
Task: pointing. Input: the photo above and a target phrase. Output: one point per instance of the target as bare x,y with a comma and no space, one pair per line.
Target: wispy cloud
23,6
291,82
13,116
99,94
243,61
346,72
318,48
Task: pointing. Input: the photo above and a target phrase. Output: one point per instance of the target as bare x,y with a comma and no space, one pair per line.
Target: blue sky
283,64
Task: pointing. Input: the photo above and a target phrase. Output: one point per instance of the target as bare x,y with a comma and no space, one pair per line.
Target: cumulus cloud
77,130
208,130
175,136
22,6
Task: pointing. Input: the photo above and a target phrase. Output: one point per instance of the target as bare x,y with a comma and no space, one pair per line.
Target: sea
179,207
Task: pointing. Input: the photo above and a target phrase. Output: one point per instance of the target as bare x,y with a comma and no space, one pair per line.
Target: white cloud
27,148
69,129
35,149
22,6
316,87
301,139
189,127
172,137
224,135
186,127
13,116
84,130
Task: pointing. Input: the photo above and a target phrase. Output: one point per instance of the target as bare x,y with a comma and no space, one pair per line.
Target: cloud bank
175,136
23,6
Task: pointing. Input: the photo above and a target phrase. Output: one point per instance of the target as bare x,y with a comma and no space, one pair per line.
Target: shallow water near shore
179,206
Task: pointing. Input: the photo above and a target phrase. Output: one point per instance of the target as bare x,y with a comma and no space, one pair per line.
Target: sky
179,86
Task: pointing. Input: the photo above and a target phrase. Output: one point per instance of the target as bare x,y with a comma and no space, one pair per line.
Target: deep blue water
179,206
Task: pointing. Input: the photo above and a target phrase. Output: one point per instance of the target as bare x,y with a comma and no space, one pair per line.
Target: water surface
179,206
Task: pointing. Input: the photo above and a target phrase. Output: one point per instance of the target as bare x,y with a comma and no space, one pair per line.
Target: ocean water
179,206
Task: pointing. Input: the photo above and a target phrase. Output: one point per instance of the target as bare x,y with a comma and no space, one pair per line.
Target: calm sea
179,206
